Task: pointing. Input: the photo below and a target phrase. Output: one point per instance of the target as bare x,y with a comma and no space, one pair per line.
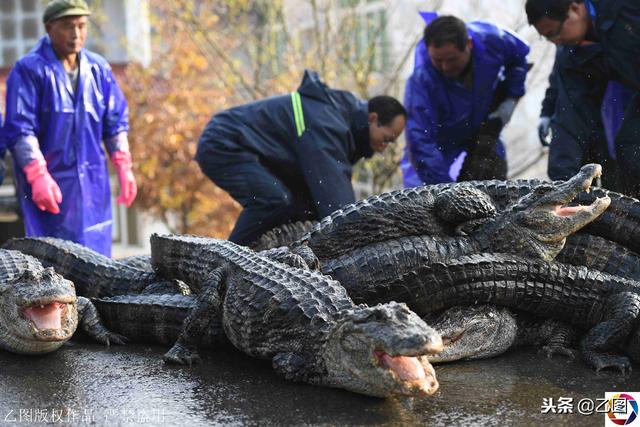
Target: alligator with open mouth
39,308
468,332
535,226
437,210
399,213
620,223
302,321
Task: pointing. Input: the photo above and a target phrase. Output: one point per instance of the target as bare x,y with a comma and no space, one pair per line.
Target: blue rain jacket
69,129
443,115
335,136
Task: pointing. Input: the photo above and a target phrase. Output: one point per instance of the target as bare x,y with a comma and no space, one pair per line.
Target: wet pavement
86,384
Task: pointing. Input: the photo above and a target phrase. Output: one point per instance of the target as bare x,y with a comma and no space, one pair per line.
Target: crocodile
155,318
302,321
397,213
535,226
39,309
600,254
93,274
608,306
429,210
580,249
620,223
484,331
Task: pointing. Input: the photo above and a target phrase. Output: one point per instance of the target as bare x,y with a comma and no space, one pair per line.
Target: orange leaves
208,56
170,102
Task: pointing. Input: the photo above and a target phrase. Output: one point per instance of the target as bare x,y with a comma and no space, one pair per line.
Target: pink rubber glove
128,188
45,192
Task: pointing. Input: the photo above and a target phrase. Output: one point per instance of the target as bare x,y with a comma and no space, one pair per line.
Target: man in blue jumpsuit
62,101
289,158
602,44
459,69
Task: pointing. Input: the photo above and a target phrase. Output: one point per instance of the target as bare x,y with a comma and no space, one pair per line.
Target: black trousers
266,200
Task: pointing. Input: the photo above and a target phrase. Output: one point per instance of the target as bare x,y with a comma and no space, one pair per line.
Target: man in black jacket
289,158
602,39
566,155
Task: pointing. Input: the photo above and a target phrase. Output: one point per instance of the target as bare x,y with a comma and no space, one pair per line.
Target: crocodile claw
551,350
604,361
181,355
117,339
103,336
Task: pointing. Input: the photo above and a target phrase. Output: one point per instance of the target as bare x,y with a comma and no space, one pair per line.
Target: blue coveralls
444,116
68,130
583,74
284,164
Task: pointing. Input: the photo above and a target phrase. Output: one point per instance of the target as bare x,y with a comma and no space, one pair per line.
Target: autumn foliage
208,56
171,102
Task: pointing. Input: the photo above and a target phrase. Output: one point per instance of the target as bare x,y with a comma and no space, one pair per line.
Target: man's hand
128,188
45,192
543,130
504,110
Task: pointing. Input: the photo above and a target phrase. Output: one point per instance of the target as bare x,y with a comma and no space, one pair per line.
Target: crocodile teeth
48,317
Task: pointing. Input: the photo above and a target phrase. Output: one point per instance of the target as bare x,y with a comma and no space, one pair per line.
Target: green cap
57,9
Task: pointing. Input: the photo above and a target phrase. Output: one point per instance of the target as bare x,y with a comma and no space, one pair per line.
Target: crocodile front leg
299,256
619,323
284,255
89,321
203,313
563,336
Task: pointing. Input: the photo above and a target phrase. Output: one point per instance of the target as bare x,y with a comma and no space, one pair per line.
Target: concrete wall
124,31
